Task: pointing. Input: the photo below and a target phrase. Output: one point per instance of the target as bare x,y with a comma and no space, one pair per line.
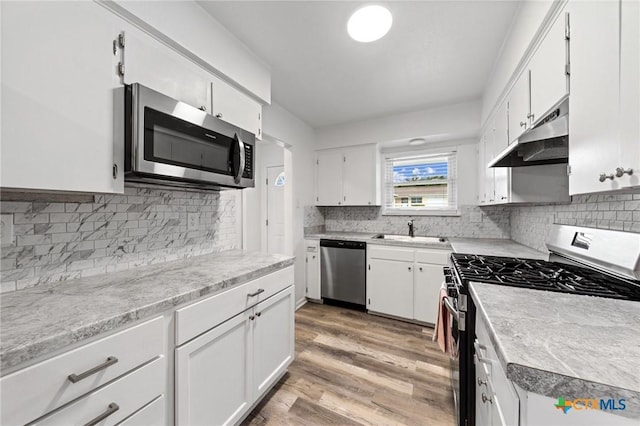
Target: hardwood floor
352,368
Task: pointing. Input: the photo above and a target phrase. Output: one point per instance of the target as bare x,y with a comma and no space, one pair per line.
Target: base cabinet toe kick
209,362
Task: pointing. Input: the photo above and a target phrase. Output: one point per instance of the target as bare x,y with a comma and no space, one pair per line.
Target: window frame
452,184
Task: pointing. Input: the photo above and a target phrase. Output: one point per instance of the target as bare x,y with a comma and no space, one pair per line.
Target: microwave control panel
248,162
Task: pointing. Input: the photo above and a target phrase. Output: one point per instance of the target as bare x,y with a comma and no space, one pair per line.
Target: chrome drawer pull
260,290
75,378
485,398
112,408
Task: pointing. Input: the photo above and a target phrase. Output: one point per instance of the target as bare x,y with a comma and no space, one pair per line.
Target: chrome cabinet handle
257,292
523,124
604,176
258,314
485,399
621,172
203,108
252,317
481,382
112,408
530,116
409,268
503,197
421,269
219,115
75,378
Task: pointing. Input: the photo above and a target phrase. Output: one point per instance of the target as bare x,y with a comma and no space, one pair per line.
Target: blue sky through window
419,171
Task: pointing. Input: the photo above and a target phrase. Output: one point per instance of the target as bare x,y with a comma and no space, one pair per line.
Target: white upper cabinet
233,106
59,96
499,143
548,77
185,81
630,94
348,177
518,107
603,124
329,178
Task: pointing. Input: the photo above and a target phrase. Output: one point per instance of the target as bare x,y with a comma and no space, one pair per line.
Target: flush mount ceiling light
369,23
417,141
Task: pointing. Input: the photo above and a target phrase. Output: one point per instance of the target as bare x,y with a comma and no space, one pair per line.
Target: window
420,184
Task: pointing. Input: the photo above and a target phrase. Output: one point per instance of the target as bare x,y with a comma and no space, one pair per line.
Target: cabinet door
274,339
630,92
359,178
426,299
390,287
329,178
500,142
519,107
594,101
59,92
548,76
235,107
489,172
482,170
213,375
313,269
153,64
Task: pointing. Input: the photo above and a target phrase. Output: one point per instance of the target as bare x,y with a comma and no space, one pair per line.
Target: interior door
275,209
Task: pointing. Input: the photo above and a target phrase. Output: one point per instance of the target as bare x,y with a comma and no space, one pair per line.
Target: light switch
6,229
193,221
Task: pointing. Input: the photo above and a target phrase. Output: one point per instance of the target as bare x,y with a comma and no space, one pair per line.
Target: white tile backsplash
56,241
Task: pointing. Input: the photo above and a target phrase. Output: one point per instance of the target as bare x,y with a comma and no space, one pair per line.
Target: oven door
454,361
170,139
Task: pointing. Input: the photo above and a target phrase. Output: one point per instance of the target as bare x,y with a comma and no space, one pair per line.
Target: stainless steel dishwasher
343,272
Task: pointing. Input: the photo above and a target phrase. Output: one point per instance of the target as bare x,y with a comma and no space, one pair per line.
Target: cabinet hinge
267,222
568,169
121,40
318,162
567,69
567,27
120,69
259,116
369,266
369,301
344,159
266,181
317,198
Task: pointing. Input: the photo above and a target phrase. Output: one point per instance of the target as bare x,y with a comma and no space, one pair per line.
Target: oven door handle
451,309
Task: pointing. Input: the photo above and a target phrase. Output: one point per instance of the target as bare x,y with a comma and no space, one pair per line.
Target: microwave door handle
242,160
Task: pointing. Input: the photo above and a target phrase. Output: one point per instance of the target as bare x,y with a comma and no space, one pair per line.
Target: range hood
546,143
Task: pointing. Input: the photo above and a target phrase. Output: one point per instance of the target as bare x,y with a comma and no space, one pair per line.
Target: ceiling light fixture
417,141
369,23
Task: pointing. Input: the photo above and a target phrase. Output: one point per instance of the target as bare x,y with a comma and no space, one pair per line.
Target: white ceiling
436,53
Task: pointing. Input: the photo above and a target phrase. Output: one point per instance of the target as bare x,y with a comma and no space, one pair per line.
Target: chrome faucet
410,223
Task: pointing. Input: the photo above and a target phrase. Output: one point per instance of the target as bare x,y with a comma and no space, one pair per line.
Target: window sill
408,212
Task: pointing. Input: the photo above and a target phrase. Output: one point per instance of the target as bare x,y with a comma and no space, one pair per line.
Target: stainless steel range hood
547,143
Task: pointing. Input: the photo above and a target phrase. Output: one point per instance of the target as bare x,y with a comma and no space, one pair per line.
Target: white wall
207,39
451,122
523,30
280,124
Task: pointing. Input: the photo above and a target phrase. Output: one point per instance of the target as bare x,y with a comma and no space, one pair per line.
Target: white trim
416,212
300,303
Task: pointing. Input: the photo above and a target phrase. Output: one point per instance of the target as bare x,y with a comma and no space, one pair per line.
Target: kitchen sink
406,238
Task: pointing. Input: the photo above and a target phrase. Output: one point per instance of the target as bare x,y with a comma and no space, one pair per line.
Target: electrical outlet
475,217
193,221
6,229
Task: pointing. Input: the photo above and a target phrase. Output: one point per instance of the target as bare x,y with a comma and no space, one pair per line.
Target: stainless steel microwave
169,142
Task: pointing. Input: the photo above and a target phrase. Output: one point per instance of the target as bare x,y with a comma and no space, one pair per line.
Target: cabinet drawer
390,253
151,414
122,398
438,257
36,390
195,319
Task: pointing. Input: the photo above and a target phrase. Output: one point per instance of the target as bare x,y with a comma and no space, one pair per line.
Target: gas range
543,275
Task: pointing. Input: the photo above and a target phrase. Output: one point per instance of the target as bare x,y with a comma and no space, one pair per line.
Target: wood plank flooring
352,368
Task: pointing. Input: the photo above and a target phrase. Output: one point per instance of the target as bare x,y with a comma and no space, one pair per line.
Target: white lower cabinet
222,373
312,272
151,414
405,282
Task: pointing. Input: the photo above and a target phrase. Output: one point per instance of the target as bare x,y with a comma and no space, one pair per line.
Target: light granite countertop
42,320
495,247
368,237
557,344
